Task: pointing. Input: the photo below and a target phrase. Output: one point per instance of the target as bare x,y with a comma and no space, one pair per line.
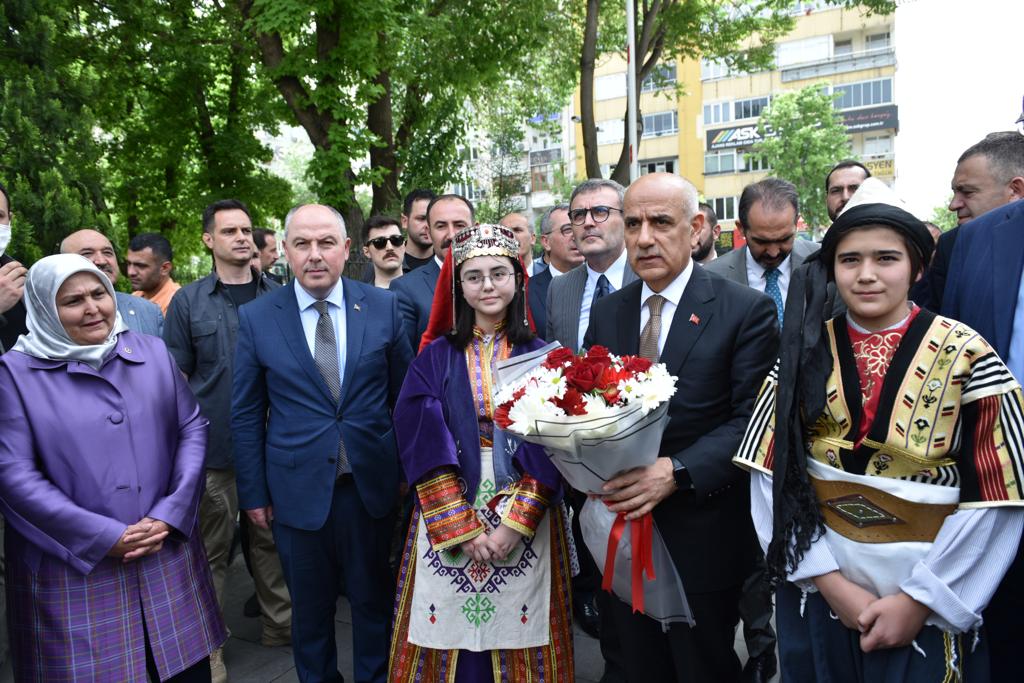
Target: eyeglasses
497,278
379,242
598,213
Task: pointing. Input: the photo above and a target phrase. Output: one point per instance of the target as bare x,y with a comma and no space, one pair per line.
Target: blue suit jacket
140,315
415,292
984,274
285,423
538,299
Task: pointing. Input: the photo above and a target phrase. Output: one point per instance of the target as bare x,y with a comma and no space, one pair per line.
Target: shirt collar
335,298
439,262
674,292
614,272
755,267
213,279
555,272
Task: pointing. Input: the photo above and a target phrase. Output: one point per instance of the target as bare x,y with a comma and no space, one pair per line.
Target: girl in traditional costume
483,588
886,452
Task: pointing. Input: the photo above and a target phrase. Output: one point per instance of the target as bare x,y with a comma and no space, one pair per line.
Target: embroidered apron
461,604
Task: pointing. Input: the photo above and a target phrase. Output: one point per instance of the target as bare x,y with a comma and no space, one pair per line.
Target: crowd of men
335,507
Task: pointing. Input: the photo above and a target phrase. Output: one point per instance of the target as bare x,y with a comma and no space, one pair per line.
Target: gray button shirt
200,332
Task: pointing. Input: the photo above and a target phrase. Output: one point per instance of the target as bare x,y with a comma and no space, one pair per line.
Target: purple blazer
83,454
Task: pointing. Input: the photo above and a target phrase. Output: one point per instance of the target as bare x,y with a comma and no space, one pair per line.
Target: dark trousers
1002,621
700,654
756,611
817,648
351,547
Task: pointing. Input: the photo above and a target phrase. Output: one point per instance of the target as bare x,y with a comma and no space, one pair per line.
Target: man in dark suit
446,215
720,339
317,371
561,256
989,174
768,213
596,216
984,291
12,288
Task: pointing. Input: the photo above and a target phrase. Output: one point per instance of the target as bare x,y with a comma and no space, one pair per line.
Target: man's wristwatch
682,475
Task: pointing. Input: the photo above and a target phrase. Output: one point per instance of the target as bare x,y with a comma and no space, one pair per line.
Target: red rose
597,351
501,415
637,364
585,374
558,358
610,378
571,402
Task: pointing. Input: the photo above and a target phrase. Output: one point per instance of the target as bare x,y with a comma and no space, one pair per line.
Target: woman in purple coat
101,469
483,589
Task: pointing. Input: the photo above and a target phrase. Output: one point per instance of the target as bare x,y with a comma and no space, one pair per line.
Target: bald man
720,338
138,314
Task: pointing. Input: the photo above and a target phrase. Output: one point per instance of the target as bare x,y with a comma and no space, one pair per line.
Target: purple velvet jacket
436,423
83,454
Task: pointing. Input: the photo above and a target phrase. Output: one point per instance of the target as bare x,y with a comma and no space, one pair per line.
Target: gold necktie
652,330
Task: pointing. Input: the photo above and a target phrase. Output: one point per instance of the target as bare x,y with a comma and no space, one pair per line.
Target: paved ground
249,662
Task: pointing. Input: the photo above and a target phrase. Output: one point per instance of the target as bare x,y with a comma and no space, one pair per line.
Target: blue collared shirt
309,317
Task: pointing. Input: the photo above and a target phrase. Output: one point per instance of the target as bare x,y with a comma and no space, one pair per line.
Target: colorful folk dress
917,464
456,619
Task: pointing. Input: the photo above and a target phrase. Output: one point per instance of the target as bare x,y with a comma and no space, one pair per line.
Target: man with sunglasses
384,245
595,212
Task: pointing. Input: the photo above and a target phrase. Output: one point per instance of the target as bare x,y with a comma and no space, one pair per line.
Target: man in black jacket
12,282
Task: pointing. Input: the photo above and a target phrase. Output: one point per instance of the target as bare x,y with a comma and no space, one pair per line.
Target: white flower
527,410
658,386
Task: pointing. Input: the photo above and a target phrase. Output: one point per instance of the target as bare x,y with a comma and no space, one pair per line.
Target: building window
751,163
719,112
470,191
542,177
878,41
663,76
877,145
610,86
725,207
721,161
750,108
610,131
842,48
864,94
710,69
662,123
658,166
792,52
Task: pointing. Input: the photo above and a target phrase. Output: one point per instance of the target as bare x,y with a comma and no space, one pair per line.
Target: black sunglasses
380,242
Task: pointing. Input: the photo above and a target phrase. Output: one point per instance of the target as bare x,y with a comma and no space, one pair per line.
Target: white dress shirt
309,317
672,294
755,274
614,274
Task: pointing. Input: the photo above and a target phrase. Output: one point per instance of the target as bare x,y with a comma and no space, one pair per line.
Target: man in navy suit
561,255
446,215
318,367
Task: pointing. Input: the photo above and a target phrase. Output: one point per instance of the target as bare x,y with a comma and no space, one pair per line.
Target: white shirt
439,261
555,272
672,294
755,274
614,274
309,317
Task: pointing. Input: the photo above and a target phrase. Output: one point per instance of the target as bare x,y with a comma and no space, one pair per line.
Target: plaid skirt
66,626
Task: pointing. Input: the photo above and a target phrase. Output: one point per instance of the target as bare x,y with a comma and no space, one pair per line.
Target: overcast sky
960,75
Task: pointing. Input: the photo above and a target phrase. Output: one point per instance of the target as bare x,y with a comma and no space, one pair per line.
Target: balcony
840,64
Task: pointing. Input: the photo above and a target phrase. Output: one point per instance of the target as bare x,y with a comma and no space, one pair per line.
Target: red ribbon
641,535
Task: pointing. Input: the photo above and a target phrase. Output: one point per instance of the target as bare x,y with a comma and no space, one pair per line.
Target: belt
866,515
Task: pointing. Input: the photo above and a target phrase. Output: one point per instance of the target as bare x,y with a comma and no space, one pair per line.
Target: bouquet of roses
598,415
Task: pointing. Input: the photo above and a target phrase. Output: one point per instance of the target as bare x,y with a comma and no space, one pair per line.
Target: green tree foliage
943,217
802,138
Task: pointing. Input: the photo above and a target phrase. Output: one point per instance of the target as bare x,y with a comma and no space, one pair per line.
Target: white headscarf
46,336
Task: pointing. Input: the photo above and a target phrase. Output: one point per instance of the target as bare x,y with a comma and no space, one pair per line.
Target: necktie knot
771,275
320,306
654,304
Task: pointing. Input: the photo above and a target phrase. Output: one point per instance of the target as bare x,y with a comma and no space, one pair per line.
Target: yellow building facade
705,132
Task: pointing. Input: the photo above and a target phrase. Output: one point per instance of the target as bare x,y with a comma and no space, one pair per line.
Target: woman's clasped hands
493,546
145,537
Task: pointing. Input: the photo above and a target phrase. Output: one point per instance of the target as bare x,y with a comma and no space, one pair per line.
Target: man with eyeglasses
384,245
595,213
561,255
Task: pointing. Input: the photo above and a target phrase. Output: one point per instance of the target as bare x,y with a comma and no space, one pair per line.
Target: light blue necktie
771,288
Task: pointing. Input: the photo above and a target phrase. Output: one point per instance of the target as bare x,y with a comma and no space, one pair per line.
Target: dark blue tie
603,288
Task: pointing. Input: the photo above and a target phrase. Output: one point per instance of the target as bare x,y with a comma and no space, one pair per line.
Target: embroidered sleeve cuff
448,516
527,501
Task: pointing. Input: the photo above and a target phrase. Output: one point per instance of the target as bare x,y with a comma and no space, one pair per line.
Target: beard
703,249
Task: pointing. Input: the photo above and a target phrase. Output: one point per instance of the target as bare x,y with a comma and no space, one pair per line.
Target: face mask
5,237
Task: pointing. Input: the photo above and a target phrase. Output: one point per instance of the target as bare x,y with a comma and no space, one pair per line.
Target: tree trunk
380,122
588,56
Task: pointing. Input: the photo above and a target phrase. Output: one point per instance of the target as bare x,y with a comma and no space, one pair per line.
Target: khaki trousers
218,512
271,590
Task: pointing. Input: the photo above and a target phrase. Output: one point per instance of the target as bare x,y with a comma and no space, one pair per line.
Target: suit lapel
1006,274
573,302
355,326
290,324
629,323
691,318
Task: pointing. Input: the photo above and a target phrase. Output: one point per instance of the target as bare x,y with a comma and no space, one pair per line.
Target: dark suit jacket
733,265
984,274
285,423
12,321
564,302
538,299
415,292
927,292
721,362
